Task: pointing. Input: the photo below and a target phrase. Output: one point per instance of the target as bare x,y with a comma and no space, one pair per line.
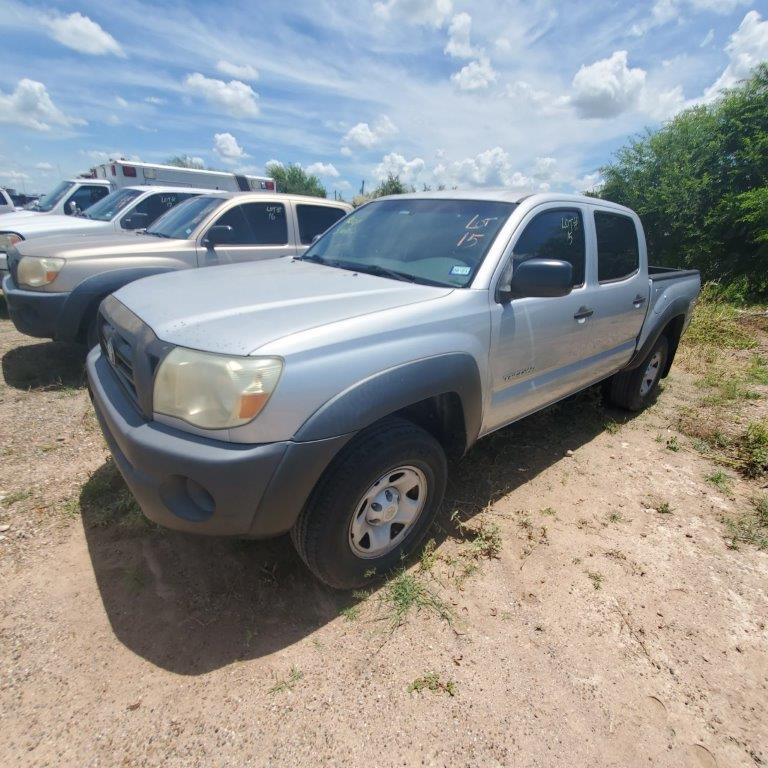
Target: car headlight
34,271
7,239
214,391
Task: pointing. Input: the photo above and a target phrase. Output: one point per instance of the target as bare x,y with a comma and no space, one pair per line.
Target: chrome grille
119,351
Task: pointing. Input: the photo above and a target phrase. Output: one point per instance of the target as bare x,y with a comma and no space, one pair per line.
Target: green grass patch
287,683
750,528
721,481
716,323
431,682
407,593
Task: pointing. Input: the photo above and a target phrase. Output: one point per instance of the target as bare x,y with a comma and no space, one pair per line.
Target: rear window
618,252
315,219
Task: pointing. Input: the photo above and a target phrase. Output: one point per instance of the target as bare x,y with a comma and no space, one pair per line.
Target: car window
256,224
315,219
85,197
554,234
107,208
156,205
618,252
180,222
48,202
431,241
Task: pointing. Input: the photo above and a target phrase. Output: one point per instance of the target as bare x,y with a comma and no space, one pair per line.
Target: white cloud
44,166
545,103
100,156
475,76
365,136
607,88
458,44
240,71
154,100
112,119
121,102
226,147
397,165
747,47
82,34
31,106
323,169
666,11
14,175
491,168
661,105
428,12
708,38
234,97
590,182
277,163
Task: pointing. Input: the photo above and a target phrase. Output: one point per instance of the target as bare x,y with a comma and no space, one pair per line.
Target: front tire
635,389
374,504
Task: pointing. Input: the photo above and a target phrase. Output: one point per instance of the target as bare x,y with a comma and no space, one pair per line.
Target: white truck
6,204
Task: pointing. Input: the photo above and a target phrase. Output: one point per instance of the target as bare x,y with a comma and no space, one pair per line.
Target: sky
533,95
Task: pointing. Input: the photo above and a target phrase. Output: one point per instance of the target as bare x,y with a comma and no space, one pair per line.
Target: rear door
313,220
259,231
621,293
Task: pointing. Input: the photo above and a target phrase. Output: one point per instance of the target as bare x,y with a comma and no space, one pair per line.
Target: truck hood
95,245
37,224
237,309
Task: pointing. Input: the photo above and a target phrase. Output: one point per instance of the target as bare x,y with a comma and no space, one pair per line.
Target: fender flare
396,388
678,307
89,294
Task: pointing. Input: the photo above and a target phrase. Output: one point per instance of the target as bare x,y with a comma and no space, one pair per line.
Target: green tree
295,180
392,186
700,185
185,161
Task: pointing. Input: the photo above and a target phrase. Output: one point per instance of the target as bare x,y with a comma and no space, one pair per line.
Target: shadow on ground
194,604
3,309
48,365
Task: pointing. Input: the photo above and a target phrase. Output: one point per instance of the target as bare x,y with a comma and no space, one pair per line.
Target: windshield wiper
155,234
379,271
313,258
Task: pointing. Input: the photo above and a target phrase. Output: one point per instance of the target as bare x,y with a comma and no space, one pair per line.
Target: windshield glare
428,240
181,221
48,202
107,208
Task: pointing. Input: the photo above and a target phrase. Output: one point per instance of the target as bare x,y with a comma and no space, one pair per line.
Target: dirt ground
580,606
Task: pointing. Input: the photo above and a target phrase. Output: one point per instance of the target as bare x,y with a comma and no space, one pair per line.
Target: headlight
7,239
34,272
214,391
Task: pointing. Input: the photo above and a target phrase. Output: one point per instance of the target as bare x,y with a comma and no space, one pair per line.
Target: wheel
634,389
373,505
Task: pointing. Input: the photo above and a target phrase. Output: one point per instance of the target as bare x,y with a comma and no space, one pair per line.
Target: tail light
114,172
129,170
269,185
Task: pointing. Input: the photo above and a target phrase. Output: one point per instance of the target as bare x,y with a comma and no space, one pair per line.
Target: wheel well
673,330
85,320
443,417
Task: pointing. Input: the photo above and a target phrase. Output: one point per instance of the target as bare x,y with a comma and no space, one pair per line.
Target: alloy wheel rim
651,374
387,512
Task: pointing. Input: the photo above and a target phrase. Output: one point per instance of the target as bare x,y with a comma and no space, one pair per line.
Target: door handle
638,301
583,313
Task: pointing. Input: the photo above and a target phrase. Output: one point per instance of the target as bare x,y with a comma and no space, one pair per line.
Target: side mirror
316,238
218,234
71,208
136,221
543,278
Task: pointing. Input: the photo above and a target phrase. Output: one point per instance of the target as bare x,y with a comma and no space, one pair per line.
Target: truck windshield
48,202
111,205
430,241
181,221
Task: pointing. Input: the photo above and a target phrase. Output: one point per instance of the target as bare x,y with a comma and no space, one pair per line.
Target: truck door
259,231
84,197
621,292
540,346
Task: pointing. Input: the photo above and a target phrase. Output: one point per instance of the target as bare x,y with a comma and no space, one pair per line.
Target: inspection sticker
458,269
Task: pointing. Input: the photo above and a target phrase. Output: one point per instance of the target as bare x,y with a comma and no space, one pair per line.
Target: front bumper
34,313
199,485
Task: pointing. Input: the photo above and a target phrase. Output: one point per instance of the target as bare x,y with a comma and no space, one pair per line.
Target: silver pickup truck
323,394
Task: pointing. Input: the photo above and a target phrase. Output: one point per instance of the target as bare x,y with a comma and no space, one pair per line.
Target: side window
156,205
268,224
241,228
84,197
618,252
554,234
315,219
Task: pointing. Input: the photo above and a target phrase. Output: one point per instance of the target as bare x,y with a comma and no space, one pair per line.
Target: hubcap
651,374
387,511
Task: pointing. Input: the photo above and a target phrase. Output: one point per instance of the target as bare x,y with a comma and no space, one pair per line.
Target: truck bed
669,273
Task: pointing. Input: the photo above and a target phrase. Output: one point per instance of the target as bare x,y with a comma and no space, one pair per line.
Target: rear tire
373,505
635,389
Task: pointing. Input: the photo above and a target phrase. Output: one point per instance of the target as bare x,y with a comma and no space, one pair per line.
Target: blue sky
528,95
